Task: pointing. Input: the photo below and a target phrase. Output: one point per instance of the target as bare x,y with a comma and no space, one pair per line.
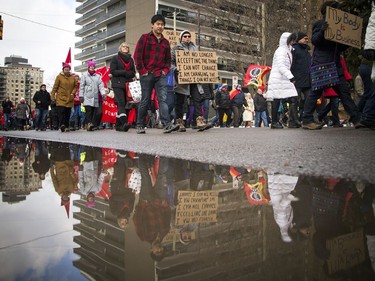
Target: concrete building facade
19,79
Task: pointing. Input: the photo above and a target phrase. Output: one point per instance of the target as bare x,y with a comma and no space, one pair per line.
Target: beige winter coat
64,90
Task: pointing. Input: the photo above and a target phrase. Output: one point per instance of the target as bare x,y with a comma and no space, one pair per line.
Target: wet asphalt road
332,152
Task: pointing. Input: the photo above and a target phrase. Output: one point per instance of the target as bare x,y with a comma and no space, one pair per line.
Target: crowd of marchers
293,96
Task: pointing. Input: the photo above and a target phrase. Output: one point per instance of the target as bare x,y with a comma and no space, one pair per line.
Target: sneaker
180,123
141,130
62,128
205,128
90,127
171,128
200,122
312,126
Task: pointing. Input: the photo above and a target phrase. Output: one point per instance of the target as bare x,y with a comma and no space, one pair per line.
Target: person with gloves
90,88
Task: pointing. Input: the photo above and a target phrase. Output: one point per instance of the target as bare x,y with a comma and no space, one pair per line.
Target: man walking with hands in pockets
153,60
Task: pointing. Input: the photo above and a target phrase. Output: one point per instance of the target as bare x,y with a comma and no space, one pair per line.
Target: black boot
71,126
122,123
293,121
274,114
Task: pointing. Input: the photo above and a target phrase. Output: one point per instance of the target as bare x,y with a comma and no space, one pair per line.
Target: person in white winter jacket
281,82
89,90
280,187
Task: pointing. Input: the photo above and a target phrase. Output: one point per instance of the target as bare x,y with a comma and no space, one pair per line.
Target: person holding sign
184,90
327,51
153,60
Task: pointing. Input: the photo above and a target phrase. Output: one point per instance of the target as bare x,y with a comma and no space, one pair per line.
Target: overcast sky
45,47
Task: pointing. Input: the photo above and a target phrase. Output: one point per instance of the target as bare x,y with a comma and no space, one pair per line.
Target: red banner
109,110
254,75
104,73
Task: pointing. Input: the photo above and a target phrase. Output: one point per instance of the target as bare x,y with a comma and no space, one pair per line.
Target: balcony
110,34
86,42
86,29
107,54
105,18
86,6
90,16
88,53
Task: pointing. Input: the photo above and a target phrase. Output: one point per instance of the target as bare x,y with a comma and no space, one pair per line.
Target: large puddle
73,212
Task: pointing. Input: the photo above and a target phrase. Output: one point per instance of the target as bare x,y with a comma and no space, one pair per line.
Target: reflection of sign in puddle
346,251
196,207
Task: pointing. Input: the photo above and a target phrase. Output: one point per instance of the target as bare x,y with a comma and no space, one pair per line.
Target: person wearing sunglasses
182,91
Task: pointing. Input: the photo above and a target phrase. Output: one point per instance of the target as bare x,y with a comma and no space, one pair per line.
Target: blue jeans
205,106
6,120
40,118
148,83
333,106
263,115
344,94
366,104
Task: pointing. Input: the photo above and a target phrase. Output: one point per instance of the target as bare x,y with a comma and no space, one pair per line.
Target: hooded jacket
279,85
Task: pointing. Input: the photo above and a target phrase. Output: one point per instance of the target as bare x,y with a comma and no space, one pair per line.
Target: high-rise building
19,79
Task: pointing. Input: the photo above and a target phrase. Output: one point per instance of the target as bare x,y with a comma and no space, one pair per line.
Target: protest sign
196,67
343,27
196,207
174,36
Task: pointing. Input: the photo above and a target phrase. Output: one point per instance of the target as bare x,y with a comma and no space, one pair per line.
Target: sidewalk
332,152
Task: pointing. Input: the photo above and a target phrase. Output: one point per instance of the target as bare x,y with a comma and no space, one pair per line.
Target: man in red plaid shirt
153,60
152,215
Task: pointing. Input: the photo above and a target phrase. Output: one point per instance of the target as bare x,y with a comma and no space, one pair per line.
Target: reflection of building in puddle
17,178
101,241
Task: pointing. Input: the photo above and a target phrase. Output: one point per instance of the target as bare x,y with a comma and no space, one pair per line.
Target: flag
104,73
69,57
254,75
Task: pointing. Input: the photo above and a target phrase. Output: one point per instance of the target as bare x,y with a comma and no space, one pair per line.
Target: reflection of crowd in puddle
144,190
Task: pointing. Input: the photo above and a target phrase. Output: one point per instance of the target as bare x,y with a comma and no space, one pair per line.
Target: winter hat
300,35
238,87
66,65
224,85
183,33
91,63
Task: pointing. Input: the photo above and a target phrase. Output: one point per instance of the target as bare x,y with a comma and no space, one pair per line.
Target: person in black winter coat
42,101
237,101
260,107
122,70
301,69
7,109
223,104
326,51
